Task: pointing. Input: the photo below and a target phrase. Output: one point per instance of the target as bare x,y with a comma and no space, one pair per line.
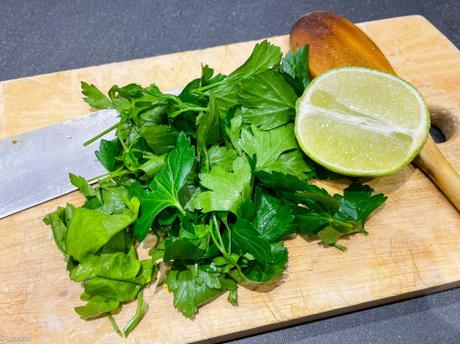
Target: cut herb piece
281,182
264,56
166,185
221,156
268,100
248,240
193,287
89,230
334,217
141,309
82,185
270,217
94,97
160,138
358,202
294,68
117,266
275,150
227,189
108,152
208,130
59,221
257,273
96,307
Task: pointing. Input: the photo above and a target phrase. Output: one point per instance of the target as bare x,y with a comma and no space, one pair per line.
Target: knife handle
440,171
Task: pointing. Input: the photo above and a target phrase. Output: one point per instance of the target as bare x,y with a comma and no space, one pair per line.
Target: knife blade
34,166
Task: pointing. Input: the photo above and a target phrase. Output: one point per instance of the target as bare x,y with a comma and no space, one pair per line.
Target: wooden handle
440,171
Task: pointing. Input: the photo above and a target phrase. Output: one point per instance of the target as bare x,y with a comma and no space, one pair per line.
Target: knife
34,166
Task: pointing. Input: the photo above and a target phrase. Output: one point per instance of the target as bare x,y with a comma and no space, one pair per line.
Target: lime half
361,122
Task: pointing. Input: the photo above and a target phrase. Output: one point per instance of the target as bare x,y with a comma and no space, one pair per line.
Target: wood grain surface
413,246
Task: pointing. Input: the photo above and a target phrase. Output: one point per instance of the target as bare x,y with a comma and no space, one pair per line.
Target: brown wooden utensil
335,42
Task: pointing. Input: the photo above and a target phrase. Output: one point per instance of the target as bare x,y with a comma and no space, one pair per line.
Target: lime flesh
361,122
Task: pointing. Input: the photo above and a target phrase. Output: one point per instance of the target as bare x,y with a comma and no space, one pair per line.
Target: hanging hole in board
443,123
437,134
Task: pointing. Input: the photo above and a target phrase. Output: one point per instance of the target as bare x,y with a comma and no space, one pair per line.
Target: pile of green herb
216,175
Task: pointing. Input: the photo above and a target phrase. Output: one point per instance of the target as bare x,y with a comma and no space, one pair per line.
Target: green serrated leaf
96,307
226,189
82,185
192,287
221,156
160,138
295,67
208,130
94,97
89,230
268,100
248,239
264,56
165,186
275,150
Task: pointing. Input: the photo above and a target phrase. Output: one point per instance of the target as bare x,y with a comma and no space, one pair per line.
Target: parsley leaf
258,231
281,182
96,307
275,150
334,217
268,100
82,185
89,230
270,216
221,156
264,56
208,130
59,221
161,138
208,77
294,67
94,97
246,237
165,186
108,152
193,286
226,189
258,273
358,202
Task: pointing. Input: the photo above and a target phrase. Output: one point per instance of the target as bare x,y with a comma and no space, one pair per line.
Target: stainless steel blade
34,166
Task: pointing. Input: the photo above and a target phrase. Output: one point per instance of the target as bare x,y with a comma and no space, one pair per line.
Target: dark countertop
46,36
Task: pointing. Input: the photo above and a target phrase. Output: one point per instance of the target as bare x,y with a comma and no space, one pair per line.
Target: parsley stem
178,112
110,175
229,235
205,88
220,246
141,309
98,136
206,159
216,225
114,325
180,208
218,243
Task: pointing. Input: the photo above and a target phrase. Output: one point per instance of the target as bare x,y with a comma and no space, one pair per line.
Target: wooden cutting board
413,247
